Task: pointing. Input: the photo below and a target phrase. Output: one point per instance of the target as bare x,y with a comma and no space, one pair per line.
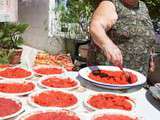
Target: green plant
154,8
77,11
11,35
4,56
152,3
10,39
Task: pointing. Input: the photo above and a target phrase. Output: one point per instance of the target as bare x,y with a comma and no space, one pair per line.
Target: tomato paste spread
59,82
53,116
48,71
55,99
112,77
110,101
8,107
114,117
4,66
16,87
15,73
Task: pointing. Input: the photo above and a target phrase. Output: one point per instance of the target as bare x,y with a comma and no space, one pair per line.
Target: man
122,30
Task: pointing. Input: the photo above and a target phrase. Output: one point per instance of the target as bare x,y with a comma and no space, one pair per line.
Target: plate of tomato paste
113,114
59,82
112,77
102,100
15,73
17,88
48,70
54,99
10,107
48,114
4,66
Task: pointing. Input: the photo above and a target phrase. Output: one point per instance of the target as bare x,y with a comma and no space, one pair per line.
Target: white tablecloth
146,106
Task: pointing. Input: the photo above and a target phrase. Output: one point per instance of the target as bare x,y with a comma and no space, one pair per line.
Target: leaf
1,34
21,27
4,58
19,41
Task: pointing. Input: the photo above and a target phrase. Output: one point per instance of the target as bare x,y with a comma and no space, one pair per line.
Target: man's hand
113,53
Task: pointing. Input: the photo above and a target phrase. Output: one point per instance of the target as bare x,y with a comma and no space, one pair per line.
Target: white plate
5,67
100,113
18,101
15,81
31,102
102,93
141,79
37,111
47,66
57,76
18,78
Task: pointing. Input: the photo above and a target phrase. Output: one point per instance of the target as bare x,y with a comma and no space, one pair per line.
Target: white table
146,105
142,99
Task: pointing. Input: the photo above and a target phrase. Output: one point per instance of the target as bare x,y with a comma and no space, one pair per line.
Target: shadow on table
152,100
93,87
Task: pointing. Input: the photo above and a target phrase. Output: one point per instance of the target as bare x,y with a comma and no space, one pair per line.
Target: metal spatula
127,76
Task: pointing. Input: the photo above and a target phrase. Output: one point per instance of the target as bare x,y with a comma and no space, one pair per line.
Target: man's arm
103,19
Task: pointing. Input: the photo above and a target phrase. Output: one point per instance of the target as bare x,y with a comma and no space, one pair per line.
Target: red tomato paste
112,77
55,99
16,87
48,71
110,101
114,117
59,82
4,66
53,116
15,73
8,107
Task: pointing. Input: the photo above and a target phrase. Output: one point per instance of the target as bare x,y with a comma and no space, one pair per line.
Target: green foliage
4,56
152,3
11,34
77,11
154,8
10,38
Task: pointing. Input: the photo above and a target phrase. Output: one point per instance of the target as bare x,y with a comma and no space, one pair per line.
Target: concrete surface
35,13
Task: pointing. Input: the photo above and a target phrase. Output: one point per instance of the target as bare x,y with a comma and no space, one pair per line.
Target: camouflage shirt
134,35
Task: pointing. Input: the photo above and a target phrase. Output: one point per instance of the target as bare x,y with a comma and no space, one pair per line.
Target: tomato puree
59,82
110,101
48,71
112,77
16,87
53,116
15,73
114,117
4,66
8,107
55,99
